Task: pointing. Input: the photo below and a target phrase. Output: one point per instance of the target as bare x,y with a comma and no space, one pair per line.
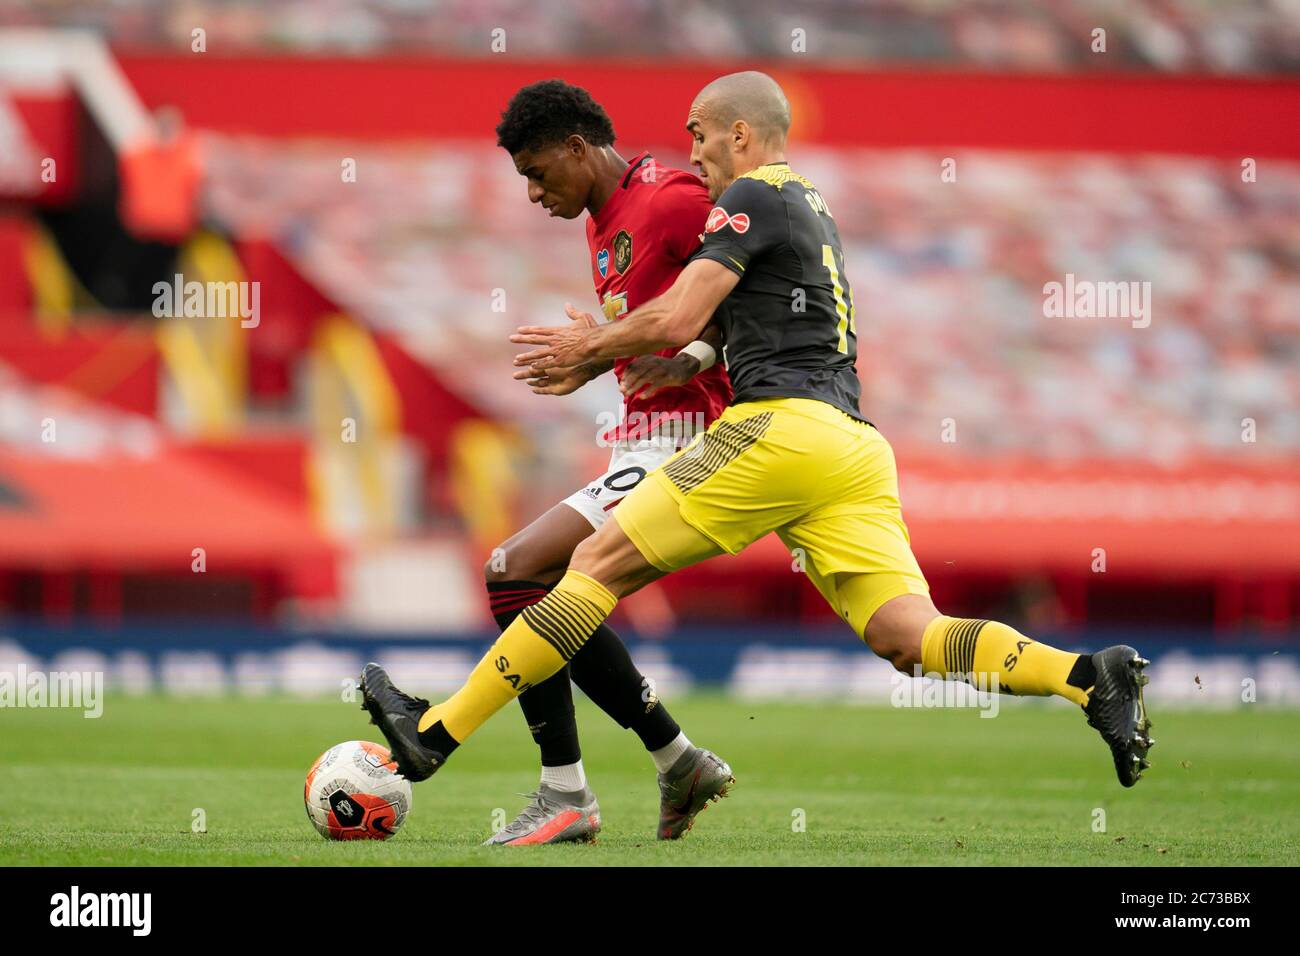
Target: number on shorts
618,480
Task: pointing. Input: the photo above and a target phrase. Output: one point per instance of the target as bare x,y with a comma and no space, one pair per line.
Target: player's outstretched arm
672,319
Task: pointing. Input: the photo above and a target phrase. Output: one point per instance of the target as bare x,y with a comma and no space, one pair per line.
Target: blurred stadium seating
1249,36
1175,447
948,284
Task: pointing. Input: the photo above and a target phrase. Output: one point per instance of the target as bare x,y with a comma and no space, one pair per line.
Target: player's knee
897,650
494,567
508,564
895,631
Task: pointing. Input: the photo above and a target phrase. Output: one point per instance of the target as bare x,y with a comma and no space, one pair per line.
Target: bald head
738,122
752,97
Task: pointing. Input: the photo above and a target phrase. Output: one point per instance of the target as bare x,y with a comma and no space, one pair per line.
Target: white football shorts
629,463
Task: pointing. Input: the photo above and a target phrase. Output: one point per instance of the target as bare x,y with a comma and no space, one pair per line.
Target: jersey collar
617,197
633,166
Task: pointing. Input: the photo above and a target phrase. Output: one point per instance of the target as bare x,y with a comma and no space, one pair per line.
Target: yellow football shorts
826,483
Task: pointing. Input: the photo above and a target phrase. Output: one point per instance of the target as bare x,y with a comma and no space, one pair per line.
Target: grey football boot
553,816
697,778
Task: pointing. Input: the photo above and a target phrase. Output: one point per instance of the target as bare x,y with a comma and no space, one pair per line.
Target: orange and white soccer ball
354,792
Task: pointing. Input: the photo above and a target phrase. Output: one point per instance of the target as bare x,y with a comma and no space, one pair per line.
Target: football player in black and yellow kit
793,454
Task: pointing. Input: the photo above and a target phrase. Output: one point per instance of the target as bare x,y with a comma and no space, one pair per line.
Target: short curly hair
551,111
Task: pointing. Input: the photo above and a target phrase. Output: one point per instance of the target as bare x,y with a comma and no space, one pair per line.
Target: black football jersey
788,324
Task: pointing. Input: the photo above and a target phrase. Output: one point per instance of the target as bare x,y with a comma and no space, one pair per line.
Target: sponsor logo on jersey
719,217
622,250
614,306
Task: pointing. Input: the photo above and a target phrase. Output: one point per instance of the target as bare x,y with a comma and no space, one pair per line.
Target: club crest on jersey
718,218
602,262
622,250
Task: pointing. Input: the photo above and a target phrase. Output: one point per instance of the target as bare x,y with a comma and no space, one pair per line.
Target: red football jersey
640,240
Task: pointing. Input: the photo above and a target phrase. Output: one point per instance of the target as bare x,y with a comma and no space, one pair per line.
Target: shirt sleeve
680,209
749,220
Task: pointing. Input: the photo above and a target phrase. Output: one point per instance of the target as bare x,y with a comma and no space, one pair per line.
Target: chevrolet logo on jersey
614,306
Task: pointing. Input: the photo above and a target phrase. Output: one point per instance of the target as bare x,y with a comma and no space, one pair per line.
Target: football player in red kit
644,223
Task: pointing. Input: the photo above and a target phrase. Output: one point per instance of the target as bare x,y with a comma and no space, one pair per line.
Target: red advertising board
423,98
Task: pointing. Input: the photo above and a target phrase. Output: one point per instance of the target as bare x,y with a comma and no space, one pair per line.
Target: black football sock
604,671
438,740
548,706
1083,674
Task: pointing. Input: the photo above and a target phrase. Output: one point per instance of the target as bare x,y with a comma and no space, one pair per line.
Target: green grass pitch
872,786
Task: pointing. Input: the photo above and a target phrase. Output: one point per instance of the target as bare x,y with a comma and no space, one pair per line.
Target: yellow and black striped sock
541,640
989,654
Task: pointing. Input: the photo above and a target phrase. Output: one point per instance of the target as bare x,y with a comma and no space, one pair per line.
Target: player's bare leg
896,629
910,633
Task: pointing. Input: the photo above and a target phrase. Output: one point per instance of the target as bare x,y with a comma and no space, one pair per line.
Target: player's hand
560,347
650,373
554,381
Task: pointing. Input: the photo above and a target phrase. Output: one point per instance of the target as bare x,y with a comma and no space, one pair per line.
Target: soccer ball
354,792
